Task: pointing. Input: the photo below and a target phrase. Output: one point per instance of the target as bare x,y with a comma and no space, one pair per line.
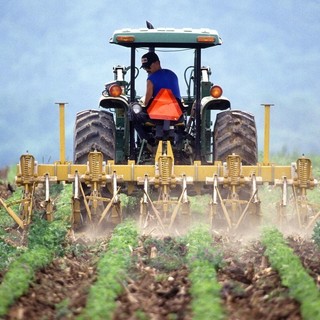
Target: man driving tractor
158,79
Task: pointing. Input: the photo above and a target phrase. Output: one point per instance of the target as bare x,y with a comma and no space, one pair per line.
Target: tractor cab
120,95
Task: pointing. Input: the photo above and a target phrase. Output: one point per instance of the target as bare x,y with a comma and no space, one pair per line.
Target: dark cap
149,58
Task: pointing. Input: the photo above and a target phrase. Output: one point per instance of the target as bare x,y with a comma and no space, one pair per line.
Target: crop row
112,270
293,275
46,240
203,260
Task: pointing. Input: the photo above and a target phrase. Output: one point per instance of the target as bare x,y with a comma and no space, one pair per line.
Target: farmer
158,78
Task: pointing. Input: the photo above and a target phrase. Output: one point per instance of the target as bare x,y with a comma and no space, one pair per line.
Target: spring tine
47,188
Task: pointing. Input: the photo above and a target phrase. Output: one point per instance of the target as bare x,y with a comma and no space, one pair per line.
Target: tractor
233,131
207,148
110,131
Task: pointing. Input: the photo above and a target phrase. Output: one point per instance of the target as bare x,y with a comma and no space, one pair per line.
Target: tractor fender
212,103
114,102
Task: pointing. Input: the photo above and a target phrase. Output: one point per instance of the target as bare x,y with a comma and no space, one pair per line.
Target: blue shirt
167,79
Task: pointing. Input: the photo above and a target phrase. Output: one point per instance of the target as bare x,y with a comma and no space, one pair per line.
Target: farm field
50,272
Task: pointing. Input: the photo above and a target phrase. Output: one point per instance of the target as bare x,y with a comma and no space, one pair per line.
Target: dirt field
251,289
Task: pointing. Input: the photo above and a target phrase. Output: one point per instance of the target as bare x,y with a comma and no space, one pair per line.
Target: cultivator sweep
192,155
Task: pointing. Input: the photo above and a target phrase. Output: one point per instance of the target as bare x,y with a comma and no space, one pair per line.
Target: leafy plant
8,254
316,234
44,241
200,204
203,260
5,219
170,253
293,275
140,315
48,234
52,234
129,202
62,309
20,274
112,268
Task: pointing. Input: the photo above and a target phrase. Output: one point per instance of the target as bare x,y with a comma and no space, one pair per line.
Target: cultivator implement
234,189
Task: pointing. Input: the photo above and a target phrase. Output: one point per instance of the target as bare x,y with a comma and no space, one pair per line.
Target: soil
251,289
58,292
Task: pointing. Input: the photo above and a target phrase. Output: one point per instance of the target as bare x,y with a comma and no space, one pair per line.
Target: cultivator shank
227,194
302,212
96,180
29,179
164,207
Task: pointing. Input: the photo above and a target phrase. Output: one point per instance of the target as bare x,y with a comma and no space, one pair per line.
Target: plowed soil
251,289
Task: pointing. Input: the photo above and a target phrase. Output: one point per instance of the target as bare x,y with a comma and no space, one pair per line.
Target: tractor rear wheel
235,132
94,130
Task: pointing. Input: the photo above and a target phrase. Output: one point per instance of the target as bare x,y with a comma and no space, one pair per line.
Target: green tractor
110,131
202,141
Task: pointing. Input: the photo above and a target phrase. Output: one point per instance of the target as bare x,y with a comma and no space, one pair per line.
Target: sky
58,51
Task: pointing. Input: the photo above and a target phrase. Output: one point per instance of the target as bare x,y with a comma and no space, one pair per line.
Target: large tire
235,132
94,130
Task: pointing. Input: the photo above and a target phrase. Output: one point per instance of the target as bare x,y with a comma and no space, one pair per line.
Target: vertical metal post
197,81
62,132
266,146
132,156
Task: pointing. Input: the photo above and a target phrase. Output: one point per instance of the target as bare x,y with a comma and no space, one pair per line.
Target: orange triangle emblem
165,106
